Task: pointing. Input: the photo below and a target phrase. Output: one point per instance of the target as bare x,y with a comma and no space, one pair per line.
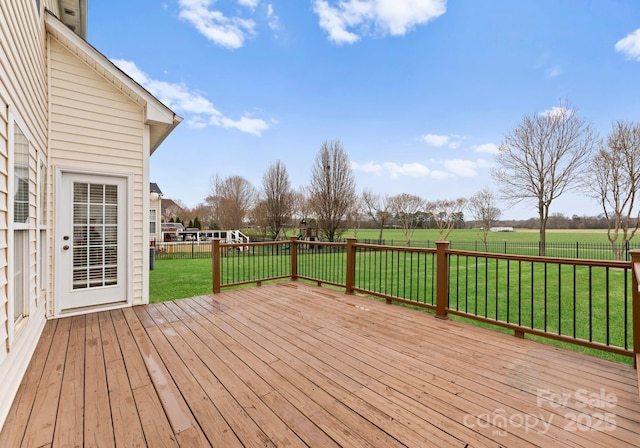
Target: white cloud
463,168
255,126
249,3
553,72
441,175
490,148
229,32
199,111
482,163
452,168
442,140
369,167
393,169
407,169
630,45
557,112
272,19
435,139
348,20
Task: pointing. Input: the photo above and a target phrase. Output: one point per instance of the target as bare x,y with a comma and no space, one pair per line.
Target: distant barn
501,229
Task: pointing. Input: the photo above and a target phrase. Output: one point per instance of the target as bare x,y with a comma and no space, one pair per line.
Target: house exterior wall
75,111
23,103
95,128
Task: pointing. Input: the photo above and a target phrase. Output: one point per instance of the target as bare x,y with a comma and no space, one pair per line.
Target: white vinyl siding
23,99
23,75
4,230
95,127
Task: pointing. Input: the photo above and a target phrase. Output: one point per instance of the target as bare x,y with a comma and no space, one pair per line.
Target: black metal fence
581,250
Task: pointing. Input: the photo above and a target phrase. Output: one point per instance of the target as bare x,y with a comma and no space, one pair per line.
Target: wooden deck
293,365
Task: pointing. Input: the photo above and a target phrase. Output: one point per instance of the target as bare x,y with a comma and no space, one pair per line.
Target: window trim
18,225
153,221
16,325
43,227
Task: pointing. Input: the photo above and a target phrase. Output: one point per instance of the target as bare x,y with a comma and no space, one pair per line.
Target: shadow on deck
297,365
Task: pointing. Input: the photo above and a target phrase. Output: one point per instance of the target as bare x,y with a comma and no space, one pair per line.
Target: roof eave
158,116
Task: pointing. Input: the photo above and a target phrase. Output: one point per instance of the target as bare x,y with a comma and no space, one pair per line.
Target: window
153,221
42,213
20,177
42,182
20,192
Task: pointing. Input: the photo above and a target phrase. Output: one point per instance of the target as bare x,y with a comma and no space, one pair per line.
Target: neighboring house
76,134
155,213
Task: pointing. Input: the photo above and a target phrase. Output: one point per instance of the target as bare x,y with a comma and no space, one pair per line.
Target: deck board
294,365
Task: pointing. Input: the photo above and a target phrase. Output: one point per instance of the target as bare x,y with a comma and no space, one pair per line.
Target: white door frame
59,232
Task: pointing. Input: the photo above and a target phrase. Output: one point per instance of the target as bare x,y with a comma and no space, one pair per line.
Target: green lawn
178,279
471,235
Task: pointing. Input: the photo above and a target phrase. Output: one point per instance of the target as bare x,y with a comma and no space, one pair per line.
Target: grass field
471,235
173,279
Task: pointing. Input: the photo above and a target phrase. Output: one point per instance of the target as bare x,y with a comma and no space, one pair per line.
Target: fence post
293,250
351,266
635,306
215,255
442,279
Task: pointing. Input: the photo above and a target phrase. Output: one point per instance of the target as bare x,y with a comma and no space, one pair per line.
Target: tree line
546,155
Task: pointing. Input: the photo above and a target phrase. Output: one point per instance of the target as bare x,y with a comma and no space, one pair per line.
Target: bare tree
614,178
332,190
300,205
172,209
484,210
354,216
447,213
258,217
542,158
231,200
376,207
278,198
404,208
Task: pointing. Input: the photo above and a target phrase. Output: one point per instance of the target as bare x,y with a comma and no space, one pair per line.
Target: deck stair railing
590,303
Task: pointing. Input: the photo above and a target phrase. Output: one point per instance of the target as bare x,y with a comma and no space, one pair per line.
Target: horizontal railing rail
591,303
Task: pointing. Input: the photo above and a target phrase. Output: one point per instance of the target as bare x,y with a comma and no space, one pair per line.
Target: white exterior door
91,241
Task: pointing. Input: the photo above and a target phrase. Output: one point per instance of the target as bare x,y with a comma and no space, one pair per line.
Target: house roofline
158,116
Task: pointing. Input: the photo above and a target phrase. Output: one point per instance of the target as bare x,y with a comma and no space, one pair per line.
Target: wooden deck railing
591,303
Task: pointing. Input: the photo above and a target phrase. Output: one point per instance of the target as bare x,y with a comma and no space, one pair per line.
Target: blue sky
420,92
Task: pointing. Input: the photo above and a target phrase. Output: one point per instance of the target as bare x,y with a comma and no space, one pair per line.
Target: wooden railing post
215,255
442,279
635,306
293,250
351,266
